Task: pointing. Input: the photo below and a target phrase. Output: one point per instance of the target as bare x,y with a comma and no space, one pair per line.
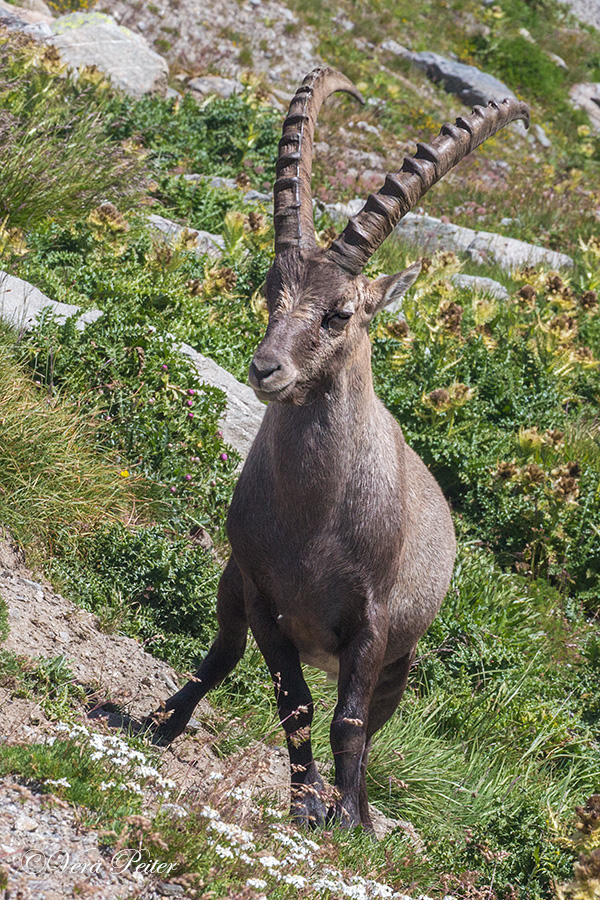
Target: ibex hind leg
295,707
225,653
387,695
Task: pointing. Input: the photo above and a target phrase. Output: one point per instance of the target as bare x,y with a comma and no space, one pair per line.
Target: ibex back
342,542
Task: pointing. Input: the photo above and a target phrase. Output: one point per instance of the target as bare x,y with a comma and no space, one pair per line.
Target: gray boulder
37,6
586,96
469,83
206,243
95,39
542,137
17,18
244,412
21,304
430,234
480,285
214,84
253,196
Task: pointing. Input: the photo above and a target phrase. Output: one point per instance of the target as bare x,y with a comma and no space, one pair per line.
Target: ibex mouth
281,393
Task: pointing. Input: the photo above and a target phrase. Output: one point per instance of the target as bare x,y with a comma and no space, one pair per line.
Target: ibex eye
337,319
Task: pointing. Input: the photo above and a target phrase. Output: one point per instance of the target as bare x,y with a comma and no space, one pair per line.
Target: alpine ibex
342,542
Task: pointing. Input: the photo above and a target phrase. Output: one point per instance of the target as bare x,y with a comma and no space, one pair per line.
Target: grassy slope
497,740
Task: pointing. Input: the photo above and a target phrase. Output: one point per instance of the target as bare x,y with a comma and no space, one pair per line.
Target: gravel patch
46,854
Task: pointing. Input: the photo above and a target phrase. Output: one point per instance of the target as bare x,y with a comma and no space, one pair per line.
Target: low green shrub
50,681
525,68
154,414
4,627
217,137
500,399
156,586
101,773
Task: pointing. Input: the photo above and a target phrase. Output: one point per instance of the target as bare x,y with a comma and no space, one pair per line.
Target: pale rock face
213,84
210,244
469,83
95,39
586,96
29,11
28,21
432,234
37,6
429,234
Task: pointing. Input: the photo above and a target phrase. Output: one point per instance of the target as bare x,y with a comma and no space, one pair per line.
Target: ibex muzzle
342,542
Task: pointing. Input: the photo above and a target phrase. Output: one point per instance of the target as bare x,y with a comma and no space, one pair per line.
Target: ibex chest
315,551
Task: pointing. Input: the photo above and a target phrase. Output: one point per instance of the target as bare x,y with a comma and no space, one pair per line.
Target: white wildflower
134,788
239,793
275,813
297,881
257,883
269,862
223,852
209,813
59,782
381,890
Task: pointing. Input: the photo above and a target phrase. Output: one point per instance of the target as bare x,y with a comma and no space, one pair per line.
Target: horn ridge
293,215
367,230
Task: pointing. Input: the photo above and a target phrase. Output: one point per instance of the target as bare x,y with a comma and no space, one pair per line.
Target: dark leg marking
360,665
225,653
295,707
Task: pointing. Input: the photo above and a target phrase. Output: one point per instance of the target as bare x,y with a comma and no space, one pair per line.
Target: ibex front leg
227,650
295,706
360,664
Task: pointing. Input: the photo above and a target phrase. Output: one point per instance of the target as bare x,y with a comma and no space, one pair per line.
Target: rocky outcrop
28,21
206,243
244,412
479,285
226,38
95,39
209,85
469,83
586,11
586,96
21,304
430,234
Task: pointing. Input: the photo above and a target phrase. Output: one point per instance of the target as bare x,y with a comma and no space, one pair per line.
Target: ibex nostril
264,369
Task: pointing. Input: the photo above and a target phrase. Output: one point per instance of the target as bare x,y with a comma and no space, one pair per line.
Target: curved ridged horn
367,230
293,216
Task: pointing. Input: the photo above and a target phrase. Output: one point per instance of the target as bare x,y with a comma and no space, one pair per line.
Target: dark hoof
339,816
162,728
310,812
308,809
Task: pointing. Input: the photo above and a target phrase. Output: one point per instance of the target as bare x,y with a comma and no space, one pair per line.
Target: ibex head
320,304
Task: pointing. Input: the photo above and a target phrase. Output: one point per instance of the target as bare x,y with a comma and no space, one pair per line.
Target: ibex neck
324,434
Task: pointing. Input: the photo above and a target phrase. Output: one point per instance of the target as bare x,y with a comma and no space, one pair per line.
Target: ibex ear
389,289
